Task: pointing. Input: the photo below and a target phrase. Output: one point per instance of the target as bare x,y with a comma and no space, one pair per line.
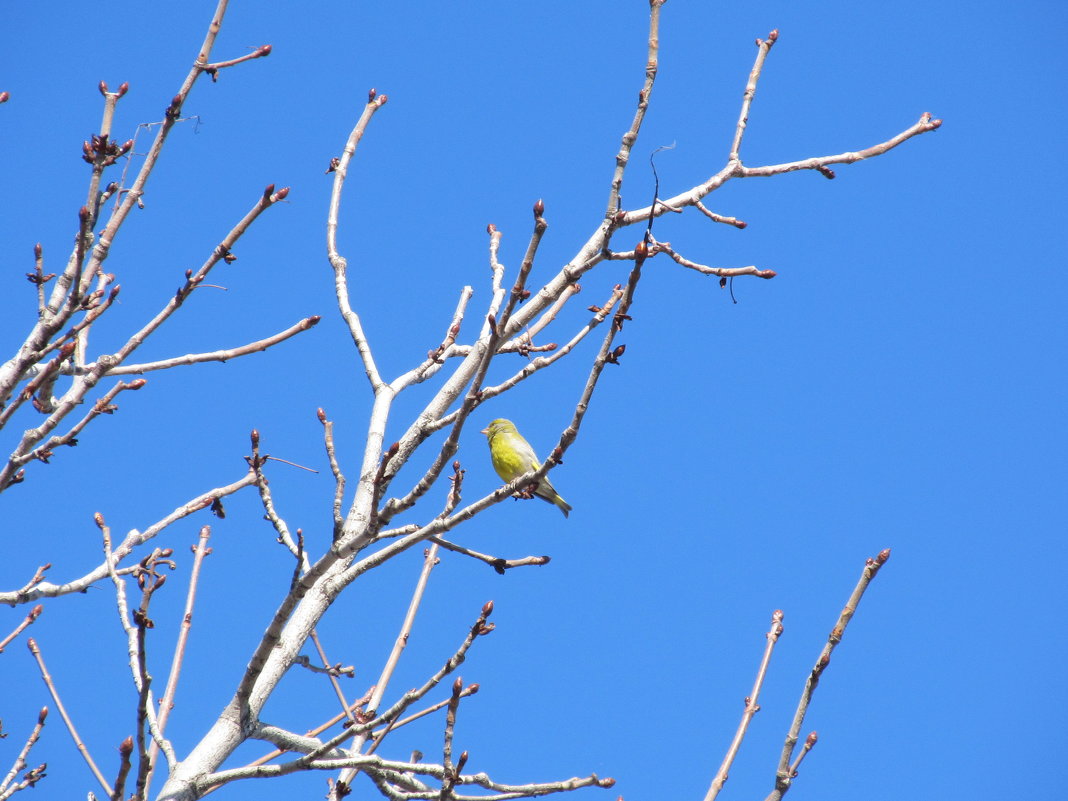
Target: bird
512,457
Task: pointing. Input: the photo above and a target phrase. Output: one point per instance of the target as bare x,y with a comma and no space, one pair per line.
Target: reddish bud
4,97
103,87
382,99
126,747
136,384
458,685
124,87
883,556
127,146
265,50
37,251
461,761
491,228
641,250
268,191
539,207
473,688
320,414
371,94
773,36
98,519
36,612
811,739
281,194
42,714
487,609
255,437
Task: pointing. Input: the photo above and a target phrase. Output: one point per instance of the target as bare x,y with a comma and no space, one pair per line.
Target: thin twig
212,356
54,692
20,760
430,560
339,262
751,707
631,136
497,563
27,621
763,47
166,705
784,775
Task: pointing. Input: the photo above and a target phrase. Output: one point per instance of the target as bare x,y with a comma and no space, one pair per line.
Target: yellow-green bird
512,457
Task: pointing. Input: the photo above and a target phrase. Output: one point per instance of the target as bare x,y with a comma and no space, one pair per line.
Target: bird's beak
484,431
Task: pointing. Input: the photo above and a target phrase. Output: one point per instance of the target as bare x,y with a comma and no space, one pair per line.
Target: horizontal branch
212,356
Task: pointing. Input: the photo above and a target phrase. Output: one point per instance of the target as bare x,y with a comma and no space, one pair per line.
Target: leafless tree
52,374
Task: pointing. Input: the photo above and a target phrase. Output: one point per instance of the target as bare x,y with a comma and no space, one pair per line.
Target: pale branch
312,594
751,707
335,468
338,262
66,295
149,581
519,291
487,348
375,765
810,742
924,125
6,788
481,627
27,621
600,313
722,272
784,775
132,540
352,710
631,136
763,47
31,643
606,355
43,452
285,537
379,735
220,252
496,562
496,280
200,552
211,356
719,218
737,170
213,68
547,317
28,448
435,358
451,769
326,669
430,561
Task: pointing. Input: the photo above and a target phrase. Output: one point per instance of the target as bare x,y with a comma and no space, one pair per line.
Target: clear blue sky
900,384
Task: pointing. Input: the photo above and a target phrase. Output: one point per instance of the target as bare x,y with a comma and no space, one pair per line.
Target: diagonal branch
784,776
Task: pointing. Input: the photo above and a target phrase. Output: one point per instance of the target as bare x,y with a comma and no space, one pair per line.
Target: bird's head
499,426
